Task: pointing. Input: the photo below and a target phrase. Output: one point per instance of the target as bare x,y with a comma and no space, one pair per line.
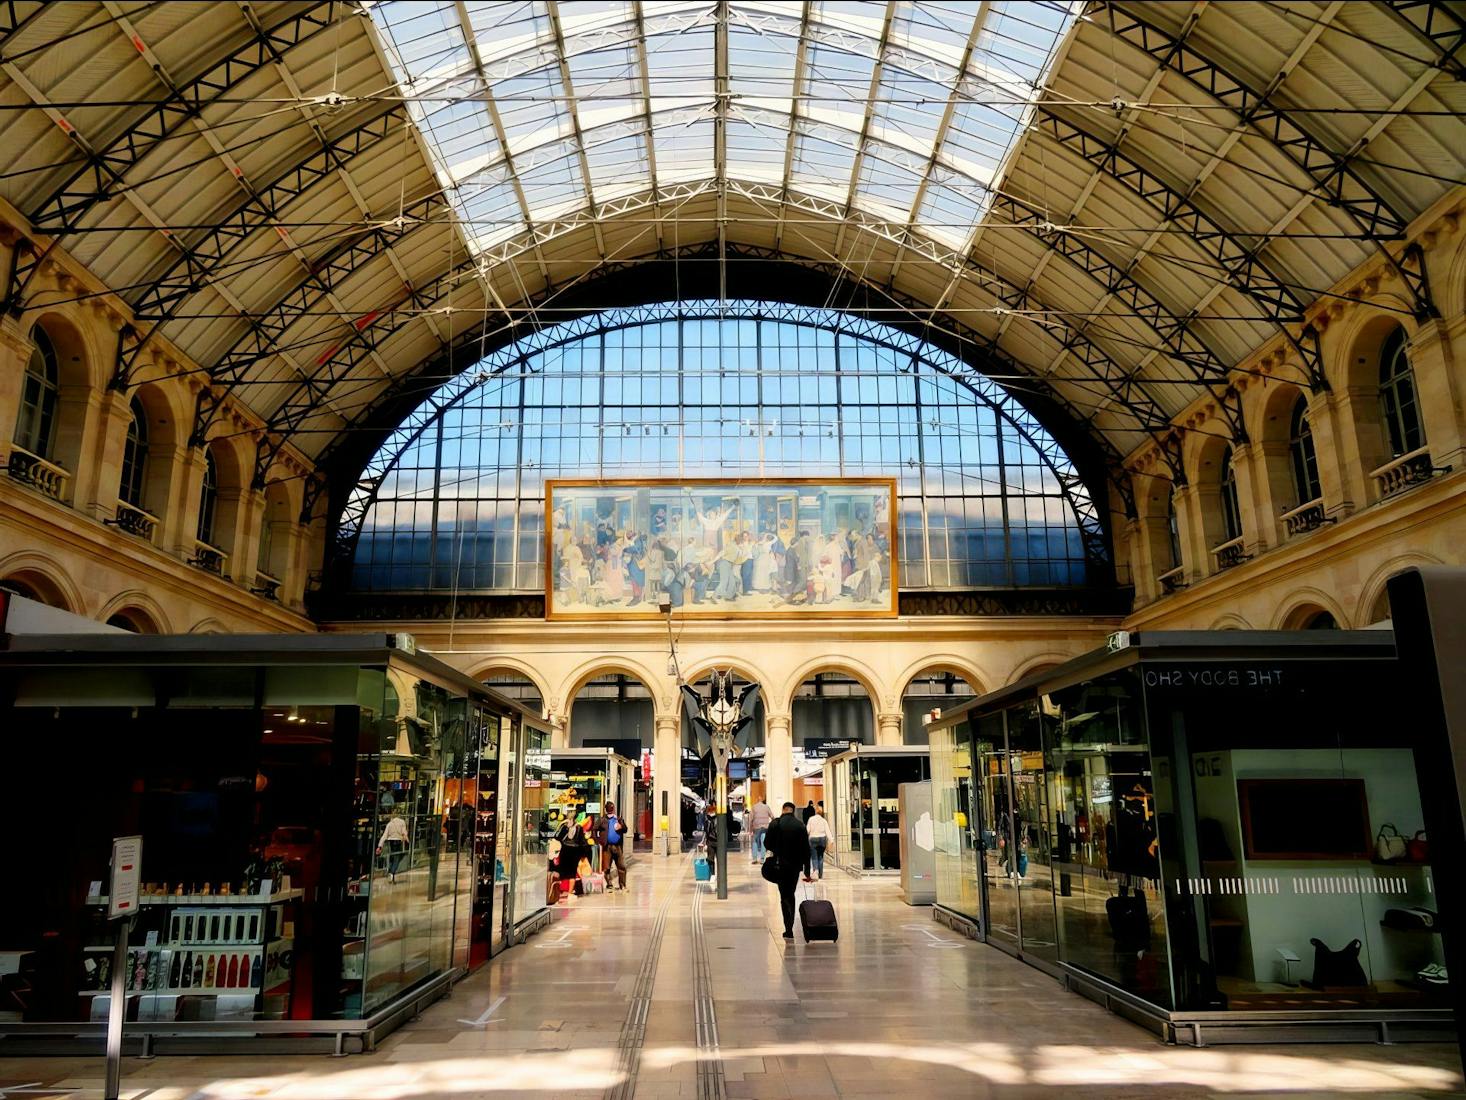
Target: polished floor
666,992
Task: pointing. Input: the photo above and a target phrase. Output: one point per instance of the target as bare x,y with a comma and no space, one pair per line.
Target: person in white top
819,837
394,839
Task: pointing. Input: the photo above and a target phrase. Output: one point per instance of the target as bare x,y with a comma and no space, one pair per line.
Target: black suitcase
817,918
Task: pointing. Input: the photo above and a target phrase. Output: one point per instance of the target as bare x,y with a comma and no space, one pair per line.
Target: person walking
807,813
819,838
394,840
611,836
788,845
759,819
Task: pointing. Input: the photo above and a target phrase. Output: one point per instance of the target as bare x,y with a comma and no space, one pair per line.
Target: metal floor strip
633,1029
712,1084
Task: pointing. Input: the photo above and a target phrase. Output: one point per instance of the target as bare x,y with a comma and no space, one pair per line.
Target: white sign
127,858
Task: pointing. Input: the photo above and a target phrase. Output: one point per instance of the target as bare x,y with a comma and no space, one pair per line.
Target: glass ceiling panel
921,113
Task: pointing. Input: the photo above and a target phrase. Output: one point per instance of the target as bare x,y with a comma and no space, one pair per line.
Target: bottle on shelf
176,971
198,970
175,927
214,929
188,927
209,973
257,970
156,969
233,978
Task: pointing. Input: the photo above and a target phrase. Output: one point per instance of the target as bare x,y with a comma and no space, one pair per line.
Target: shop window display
1218,823
954,811
305,853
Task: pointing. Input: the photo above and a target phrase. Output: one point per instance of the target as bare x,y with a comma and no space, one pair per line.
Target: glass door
1032,870
995,792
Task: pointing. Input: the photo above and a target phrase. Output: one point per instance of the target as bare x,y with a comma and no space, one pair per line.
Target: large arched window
1398,405
1304,458
455,498
135,457
208,500
35,426
1231,506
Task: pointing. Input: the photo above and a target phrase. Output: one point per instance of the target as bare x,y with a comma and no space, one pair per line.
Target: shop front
583,780
322,833
862,802
1200,830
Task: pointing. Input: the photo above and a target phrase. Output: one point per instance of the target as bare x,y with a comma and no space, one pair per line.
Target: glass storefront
1209,825
954,811
314,816
862,791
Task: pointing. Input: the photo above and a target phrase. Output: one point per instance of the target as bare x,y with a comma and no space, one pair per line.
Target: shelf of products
236,950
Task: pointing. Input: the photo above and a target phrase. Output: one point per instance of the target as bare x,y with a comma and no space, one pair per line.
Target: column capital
777,721
666,724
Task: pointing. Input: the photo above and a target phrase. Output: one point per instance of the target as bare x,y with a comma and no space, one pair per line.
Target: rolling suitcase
817,918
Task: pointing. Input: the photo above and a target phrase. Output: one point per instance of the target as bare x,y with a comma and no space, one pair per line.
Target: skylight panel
684,152
505,29
554,189
490,213
822,167
885,187
949,211
532,108
617,167
756,152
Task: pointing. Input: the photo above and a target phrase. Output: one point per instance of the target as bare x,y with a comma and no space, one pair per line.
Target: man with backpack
611,836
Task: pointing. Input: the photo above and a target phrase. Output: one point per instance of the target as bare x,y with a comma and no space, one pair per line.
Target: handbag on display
1418,848
1389,845
1337,969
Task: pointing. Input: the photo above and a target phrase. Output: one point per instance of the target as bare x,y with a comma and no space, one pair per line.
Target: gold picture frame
734,548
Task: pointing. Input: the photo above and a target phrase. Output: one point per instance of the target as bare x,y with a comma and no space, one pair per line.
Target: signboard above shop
822,748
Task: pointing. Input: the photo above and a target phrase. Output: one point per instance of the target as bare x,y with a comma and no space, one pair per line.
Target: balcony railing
208,558
266,585
33,470
1405,472
1229,553
1172,580
134,521
1306,517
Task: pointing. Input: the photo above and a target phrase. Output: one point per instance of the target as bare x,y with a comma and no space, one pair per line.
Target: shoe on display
1435,974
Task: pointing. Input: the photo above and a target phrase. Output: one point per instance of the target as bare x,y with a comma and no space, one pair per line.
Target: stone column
79,419
667,785
1438,356
778,759
99,483
15,353
1258,467
1342,482
888,727
181,523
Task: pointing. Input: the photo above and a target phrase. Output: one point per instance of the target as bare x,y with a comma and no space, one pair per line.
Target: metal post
723,833
116,1011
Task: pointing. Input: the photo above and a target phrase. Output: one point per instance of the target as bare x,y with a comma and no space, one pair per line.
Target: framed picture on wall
766,548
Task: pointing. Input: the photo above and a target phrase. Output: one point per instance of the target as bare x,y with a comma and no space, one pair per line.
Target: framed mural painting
761,548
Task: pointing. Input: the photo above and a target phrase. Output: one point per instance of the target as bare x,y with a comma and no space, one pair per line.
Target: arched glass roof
539,111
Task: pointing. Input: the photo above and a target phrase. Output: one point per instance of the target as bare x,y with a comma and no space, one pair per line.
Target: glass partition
954,809
999,868
535,830
1290,823
1111,920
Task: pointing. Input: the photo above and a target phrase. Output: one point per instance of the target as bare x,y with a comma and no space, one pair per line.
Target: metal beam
203,255
1440,25
1244,268
108,161
261,339
1335,180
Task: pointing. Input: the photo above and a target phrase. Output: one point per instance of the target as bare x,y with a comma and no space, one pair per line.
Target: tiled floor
900,1007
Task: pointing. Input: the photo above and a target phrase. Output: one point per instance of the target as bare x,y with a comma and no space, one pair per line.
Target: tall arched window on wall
1306,485
1397,400
35,426
738,389
208,500
135,458
1231,506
